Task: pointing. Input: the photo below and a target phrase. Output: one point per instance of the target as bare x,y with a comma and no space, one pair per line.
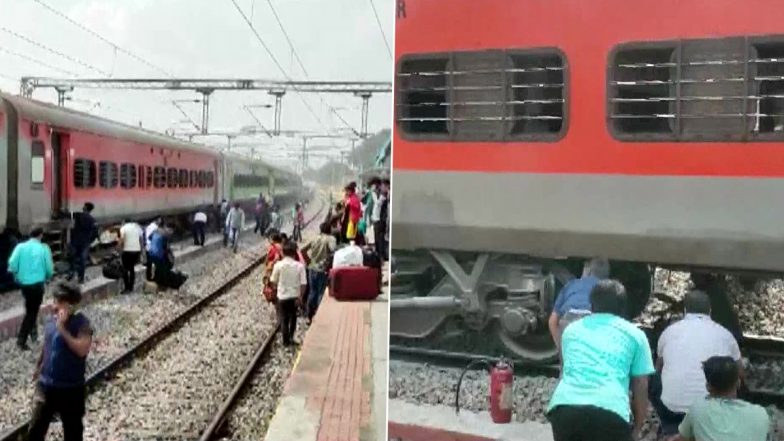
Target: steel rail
18,432
221,416
761,396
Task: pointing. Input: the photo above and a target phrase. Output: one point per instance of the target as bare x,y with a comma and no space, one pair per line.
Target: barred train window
171,178
37,167
107,174
127,175
698,90
84,173
209,180
160,177
493,95
183,178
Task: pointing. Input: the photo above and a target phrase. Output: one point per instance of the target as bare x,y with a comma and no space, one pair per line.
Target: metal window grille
84,173
107,174
210,180
148,177
183,178
201,179
37,165
171,178
493,95
127,175
193,174
160,177
698,90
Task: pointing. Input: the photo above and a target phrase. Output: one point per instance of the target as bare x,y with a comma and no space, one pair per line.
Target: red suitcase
354,283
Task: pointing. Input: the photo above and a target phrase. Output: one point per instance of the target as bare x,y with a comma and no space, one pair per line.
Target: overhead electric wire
102,38
37,61
274,59
302,65
53,51
381,28
277,63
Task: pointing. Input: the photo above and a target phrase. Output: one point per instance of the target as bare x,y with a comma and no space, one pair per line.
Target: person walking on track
299,223
290,281
235,222
319,250
148,232
199,225
31,265
131,242
83,234
60,387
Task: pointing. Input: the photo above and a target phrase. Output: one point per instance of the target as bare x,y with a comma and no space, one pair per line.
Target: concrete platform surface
338,388
415,422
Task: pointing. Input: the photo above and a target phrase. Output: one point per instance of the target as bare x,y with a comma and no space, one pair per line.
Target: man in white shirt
683,347
235,222
350,255
290,281
151,228
199,224
131,242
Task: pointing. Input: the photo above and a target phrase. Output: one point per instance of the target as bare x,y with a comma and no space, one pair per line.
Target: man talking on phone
60,372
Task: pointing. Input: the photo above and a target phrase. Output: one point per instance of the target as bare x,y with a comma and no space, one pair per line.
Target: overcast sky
336,40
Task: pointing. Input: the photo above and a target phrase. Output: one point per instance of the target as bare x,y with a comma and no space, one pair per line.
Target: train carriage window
127,175
183,178
201,179
210,180
490,96
37,165
148,176
160,177
193,175
84,173
721,89
107,174
171,178
141,176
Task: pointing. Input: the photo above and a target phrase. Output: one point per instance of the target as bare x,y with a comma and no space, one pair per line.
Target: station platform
418,422
337,390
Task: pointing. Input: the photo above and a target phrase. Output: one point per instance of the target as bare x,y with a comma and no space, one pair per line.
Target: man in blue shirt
573,302
31,265
83,233
61,368
603,354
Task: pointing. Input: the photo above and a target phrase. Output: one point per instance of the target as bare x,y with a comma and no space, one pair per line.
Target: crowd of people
298,277
609,376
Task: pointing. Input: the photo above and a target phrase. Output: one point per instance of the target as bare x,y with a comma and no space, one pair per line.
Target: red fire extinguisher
501,389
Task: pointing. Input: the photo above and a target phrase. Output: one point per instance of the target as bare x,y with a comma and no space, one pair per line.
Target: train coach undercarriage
437,293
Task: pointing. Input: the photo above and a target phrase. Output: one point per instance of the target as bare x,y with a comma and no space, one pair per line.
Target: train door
60,173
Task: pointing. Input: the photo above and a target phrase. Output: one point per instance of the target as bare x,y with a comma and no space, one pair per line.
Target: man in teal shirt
602,355
32,266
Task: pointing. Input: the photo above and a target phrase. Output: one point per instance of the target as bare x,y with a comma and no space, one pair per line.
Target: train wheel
538,346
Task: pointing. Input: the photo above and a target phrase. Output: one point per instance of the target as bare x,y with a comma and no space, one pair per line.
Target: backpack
113,269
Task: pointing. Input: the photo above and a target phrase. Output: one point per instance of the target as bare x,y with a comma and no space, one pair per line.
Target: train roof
58,116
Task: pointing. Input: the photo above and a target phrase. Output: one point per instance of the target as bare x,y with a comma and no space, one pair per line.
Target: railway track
756,348
104,374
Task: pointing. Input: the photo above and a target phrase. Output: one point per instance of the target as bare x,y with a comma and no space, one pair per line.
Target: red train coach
648,131
58,159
